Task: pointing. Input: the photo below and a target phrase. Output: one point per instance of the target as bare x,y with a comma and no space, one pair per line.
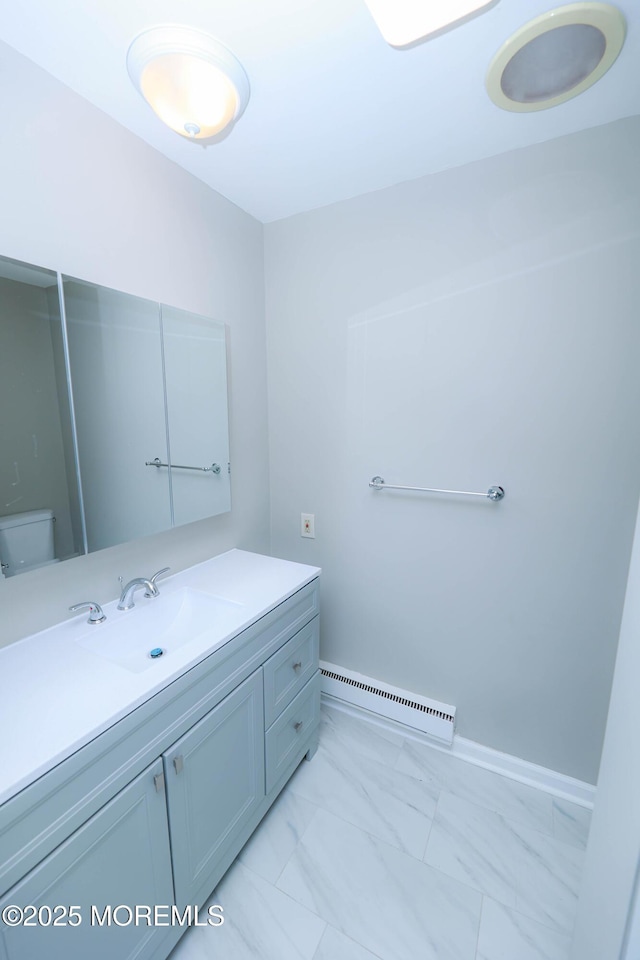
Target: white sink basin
166,623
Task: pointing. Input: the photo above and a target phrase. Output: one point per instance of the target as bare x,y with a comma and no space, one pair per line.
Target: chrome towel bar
493,493
214,468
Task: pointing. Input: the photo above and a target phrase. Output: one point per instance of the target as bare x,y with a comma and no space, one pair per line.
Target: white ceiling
334,111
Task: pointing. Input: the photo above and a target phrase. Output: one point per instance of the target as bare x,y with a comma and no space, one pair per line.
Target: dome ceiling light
556,56
402,22
190,80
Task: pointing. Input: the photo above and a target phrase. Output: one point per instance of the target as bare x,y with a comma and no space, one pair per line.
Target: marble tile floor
384,848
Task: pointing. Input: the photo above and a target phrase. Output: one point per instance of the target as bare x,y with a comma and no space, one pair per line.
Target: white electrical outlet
308,525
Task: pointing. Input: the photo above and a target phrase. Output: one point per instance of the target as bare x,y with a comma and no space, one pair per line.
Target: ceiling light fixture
556,56
192,82
402,22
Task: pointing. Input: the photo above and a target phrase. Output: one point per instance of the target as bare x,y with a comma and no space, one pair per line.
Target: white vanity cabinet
153,810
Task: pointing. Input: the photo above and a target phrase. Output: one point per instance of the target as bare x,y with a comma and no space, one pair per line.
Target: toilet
26,541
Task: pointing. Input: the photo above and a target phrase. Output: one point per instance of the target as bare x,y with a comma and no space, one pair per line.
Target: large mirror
113,417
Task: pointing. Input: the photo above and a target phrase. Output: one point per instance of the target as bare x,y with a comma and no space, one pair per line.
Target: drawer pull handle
298,726
158,781
178,763
298,665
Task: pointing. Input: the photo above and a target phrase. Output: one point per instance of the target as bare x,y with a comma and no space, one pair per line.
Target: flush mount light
194,83
402,22
556,56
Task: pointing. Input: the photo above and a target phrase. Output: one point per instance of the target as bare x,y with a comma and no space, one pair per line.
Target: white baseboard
552,782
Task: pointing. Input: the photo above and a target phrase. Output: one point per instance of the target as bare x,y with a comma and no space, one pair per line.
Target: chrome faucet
126,597
96,613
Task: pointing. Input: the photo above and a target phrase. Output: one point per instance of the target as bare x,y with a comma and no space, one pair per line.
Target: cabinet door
215,782
119,858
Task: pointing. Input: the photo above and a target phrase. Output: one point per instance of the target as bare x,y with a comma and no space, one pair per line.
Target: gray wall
469,328
82,195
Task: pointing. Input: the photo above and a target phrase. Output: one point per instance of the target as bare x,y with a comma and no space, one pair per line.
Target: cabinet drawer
289,735
288,670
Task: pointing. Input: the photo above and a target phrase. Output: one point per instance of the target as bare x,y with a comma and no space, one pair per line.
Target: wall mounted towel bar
493,493
214,468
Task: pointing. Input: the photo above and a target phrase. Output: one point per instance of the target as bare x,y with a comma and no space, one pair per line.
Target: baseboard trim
557,784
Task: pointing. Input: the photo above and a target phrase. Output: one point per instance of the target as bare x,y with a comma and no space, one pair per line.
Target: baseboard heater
433,718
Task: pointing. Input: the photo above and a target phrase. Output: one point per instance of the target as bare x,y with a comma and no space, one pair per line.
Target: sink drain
156,652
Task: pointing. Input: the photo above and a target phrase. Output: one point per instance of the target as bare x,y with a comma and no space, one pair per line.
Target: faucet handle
152,581
96,614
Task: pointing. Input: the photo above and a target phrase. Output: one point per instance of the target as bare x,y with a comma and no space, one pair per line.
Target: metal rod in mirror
214,468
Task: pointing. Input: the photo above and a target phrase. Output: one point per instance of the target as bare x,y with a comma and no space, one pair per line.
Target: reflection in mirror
115,359
37,468
147,384
195,356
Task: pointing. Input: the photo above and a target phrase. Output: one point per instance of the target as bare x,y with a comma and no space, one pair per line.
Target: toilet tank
26,541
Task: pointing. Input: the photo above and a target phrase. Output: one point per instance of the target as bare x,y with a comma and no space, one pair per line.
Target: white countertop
56,695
